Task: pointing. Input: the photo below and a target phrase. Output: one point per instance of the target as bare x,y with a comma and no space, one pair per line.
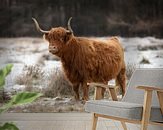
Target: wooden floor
58,121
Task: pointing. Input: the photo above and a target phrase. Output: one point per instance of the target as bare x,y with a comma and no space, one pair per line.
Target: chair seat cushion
121,109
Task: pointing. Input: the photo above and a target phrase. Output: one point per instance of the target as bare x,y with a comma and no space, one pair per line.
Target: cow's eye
62,39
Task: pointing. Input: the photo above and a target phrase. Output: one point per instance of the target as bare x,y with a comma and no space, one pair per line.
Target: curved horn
38,27
69,26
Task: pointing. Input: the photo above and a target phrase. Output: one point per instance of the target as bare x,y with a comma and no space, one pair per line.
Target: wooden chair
142,103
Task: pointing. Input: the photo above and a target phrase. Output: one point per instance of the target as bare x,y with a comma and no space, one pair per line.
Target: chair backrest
147,77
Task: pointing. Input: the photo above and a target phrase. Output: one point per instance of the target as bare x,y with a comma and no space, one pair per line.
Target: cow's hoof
84,99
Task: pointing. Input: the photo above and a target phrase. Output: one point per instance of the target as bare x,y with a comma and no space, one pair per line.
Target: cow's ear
45,36
68,36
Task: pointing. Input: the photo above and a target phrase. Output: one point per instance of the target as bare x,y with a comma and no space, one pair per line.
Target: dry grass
130,68
52,85
4,96
31,76
57,85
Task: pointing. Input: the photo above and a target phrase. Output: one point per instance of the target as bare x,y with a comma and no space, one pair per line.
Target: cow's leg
76,91
121,79
85,88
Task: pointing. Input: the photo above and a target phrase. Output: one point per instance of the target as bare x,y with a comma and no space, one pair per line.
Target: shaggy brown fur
87,60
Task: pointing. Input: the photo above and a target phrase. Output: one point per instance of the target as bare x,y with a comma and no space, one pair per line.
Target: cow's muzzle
53,49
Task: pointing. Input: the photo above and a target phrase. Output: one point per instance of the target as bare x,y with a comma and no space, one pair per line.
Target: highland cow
86,60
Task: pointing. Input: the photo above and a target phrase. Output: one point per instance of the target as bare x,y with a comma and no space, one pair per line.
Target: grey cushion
121,109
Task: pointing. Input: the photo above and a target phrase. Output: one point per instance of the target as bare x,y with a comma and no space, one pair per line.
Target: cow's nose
52,47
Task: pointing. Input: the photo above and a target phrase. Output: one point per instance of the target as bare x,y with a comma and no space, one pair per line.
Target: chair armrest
101,85
99,90
150,88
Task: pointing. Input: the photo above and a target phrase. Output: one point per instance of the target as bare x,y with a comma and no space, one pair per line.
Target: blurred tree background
126,18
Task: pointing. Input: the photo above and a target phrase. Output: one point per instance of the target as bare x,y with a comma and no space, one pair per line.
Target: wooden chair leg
160,98
113,94
98,93
146,109
94,121
124,125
